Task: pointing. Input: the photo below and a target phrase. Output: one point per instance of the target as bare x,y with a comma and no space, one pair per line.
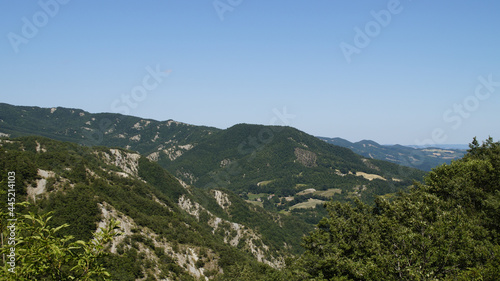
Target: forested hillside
445,229
166,229
275,167
287,166
146,136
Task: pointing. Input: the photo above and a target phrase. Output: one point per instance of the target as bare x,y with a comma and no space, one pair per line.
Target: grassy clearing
369,176
284,212
307,191
328,193
252,196
310,204
257,203
263,183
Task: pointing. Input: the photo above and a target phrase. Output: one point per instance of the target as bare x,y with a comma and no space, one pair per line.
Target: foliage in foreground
42,254
446,229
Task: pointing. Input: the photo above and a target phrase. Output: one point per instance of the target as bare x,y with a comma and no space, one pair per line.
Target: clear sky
392,71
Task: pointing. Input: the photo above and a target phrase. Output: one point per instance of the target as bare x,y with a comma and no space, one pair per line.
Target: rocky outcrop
306,157
234,234
128,162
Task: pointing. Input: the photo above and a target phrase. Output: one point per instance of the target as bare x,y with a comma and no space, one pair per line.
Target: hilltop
282,162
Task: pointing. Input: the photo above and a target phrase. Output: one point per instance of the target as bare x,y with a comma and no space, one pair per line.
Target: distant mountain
170,137
423,158
442,146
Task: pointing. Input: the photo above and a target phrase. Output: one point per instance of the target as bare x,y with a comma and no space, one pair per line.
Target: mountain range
247,159
193,201
423,158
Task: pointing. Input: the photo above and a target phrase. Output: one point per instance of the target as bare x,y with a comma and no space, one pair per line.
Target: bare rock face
128,162
305,157
234,233
222,199
41,184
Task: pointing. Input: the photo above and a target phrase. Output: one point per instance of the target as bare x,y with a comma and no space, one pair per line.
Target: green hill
168,230
445,229
146,136
283,161
276,162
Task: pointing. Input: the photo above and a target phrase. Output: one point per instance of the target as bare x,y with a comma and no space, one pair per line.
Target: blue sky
413,72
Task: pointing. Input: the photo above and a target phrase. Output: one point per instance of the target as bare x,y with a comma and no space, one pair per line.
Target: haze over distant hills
443,146
424,158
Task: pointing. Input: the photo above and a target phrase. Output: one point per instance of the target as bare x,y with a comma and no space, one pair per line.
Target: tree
447,228
40,254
